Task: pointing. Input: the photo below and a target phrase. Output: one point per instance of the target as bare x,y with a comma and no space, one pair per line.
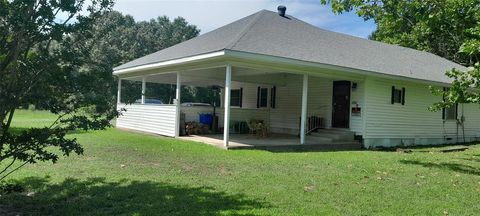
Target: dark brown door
341,104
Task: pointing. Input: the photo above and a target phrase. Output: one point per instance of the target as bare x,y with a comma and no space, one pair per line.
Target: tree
465,86
439,27
40,64
119,38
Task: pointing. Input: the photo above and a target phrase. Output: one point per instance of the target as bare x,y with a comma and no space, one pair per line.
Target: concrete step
335,134
320,139
335,131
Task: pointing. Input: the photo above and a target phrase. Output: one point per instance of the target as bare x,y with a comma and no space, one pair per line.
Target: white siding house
374,92
412,124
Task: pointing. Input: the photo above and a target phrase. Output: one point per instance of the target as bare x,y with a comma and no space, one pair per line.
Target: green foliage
465,88
471,46
40,64
118,38
439,27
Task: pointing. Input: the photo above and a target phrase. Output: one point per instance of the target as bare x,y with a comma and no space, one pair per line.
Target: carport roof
270,34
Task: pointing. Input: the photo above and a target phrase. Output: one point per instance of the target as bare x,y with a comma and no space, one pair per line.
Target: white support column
304,109
178,105
226,123
119,91
144,85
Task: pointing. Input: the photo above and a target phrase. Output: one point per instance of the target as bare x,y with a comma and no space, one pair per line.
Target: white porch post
226,122
119,91
178,105
304,109
144,84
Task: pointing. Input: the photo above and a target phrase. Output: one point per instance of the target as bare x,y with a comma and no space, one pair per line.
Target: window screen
236,97
450,113
263,97
398,95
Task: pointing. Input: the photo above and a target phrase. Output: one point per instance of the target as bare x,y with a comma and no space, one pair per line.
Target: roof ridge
245,30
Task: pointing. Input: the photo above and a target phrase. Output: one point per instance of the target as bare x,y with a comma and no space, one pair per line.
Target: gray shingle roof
267,33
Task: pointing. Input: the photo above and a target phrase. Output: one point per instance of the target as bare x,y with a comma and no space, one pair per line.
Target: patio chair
257,127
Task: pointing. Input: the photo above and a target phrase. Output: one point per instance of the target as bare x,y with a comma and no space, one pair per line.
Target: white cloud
211,14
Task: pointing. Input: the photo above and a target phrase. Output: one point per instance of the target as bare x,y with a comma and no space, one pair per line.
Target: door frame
349,83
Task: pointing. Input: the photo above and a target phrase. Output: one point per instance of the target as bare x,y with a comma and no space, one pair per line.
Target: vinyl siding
286,116
413,120
158,119
357,97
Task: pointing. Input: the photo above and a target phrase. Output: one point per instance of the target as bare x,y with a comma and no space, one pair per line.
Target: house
308,85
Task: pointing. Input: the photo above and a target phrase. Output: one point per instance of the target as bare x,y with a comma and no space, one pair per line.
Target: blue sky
211,14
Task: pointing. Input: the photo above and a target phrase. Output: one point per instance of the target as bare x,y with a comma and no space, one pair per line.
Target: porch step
320,139
334,134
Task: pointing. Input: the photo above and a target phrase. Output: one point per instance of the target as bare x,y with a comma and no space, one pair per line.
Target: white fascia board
301,63
169,63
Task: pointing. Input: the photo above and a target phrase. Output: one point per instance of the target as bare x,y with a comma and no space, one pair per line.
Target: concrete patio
274,142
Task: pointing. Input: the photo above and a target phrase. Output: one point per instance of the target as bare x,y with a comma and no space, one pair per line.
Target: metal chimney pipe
281,10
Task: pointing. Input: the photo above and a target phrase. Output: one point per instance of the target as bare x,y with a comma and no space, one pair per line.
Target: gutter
173,62
240,55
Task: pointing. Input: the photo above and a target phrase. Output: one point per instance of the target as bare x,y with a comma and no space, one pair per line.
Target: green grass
125,173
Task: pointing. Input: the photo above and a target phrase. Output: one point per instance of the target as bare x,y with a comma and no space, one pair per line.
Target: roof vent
281,10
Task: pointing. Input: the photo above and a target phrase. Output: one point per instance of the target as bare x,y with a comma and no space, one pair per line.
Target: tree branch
3,177
6,127
8,166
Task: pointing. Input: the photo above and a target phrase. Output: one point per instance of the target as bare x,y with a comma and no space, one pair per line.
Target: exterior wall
285,117
357,99
389,124
158,119
249,100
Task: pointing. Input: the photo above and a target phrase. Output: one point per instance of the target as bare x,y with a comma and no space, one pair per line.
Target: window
273,95
262,97
449,113
236,97
398,95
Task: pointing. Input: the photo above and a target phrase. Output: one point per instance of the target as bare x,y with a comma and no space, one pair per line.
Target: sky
208,15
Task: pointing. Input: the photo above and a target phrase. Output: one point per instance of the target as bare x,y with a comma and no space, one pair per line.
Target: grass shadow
18,130
472,158
95,196
425,148
457,167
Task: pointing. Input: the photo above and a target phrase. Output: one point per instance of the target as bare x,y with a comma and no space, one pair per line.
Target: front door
341,104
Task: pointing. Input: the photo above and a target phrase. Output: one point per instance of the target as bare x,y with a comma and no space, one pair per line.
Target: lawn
126,173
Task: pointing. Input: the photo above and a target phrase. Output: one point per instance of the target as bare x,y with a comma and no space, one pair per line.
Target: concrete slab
284,141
